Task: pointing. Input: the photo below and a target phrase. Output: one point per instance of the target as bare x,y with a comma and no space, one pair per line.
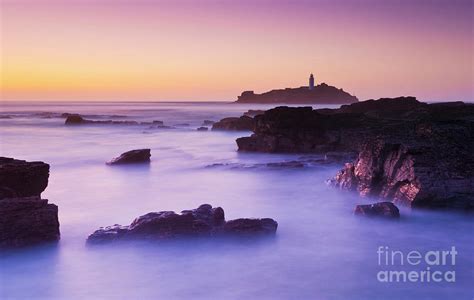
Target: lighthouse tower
311,82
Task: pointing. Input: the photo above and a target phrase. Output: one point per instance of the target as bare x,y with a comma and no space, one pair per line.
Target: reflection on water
320,251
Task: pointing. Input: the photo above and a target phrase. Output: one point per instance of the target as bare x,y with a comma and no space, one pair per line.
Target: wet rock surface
202,221
380,209
132,157
411,153
25,218
243,123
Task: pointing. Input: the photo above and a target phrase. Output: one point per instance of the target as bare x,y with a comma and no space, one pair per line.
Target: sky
149,50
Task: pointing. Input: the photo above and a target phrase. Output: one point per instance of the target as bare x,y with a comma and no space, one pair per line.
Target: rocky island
408,152
319,94
202,221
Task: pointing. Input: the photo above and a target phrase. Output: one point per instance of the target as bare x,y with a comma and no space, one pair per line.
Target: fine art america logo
415,266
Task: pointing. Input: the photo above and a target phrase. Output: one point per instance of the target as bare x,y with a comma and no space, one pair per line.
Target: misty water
320,251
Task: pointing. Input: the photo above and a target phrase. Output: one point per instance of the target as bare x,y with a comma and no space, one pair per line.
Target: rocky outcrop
202,221
25,218
19,178
434,173
132,157
322,93
243,123
409,152
380,209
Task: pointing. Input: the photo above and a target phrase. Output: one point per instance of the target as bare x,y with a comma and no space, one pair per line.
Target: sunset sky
213,50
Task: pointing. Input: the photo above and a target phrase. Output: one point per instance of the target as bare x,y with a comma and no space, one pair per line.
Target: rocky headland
25,218
203,221
322,94
407,152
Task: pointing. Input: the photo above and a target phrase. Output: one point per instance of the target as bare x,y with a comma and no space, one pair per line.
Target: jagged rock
233,123
380,209
321,93
25,218
412,153
203,221
202,128
435,173
132,156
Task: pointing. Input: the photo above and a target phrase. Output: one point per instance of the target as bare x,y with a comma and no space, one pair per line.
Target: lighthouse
311,81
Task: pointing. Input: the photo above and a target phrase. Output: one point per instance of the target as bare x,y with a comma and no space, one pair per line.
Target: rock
380,209
207,123
25,218
253,112
133,156
321,93
412,153
19,178
74,119
251,226
202,221
243,123
433,173
202,129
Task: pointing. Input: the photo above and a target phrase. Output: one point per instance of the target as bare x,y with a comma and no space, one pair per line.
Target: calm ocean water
320,251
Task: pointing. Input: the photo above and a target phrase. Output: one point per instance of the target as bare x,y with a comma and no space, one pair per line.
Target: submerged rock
380,209
243,123
202,221
25,218
132,156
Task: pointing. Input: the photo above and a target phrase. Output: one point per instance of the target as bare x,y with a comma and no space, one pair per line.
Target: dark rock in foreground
243,123
203,221
25,218
411,153
132,156
19,178
321,93
380,209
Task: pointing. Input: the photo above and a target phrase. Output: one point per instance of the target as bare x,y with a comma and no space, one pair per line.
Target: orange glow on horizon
56,51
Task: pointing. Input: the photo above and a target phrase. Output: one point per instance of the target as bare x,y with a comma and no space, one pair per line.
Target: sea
320,251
